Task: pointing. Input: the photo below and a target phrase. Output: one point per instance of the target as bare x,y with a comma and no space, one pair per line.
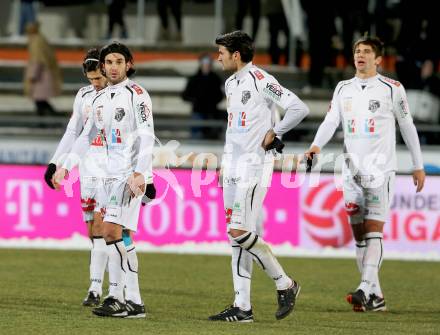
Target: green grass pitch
41,293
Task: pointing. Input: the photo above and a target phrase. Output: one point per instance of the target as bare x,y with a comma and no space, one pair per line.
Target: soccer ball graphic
324,215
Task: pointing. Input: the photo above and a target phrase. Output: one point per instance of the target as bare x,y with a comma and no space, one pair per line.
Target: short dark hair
238,41
116,47
374,42
91,60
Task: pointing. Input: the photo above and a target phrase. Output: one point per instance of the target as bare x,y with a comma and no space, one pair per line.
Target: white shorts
243,202
366,199
89,189
116,204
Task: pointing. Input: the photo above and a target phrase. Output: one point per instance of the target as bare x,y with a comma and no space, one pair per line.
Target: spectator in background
42,77
176,9
27,15
203,90
273,9
5,14
115,9
417,40
430,82
255,8
321,26
355,22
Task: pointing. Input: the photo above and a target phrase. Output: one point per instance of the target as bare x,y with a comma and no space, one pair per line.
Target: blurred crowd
322,35
407,27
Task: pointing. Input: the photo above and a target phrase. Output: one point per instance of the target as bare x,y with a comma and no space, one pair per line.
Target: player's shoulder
136,89
229,80
84,91
342,85
259,74
390,81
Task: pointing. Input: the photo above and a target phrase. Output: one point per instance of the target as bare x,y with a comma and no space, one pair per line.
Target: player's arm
79,149
71,133
409,135
150,189
145,131
327,128
295,109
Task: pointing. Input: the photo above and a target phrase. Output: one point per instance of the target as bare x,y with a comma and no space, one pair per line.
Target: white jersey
250,93
94,162
368,110
123,114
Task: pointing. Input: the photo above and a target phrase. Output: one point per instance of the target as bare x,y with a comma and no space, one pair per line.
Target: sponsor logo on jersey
369,125
137,89
373,201
116,136
113,200
258,74
86,112
230,117
143,112
236,206
228,214
348,105
119,114
373,105
391,81
99,140
99,113
245,96
351,208
274,90
403,108
351,126
241,122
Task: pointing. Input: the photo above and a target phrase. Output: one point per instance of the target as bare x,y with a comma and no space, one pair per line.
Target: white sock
376,289
242,264
263,255
117,265
360,251
372,259
132,281
98,262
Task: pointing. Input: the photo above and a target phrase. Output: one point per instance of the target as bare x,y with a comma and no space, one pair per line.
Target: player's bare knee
111,231
373,226
236,233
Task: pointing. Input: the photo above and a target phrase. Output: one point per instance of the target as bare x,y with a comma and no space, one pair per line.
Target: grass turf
41,293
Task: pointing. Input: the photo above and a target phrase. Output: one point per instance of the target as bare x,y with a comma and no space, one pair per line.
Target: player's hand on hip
419,179
268,139
136,182
58,177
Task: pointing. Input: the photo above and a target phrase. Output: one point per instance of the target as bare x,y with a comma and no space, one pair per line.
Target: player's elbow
304,111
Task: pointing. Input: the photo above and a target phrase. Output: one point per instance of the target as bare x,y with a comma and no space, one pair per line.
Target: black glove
50,171
150,194
276,144
310,162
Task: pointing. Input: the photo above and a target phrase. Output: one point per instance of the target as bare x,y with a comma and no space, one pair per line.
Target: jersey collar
240,74
365,82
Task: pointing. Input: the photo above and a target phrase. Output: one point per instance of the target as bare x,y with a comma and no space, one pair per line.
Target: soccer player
90,170
368,106
249,136
123,113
